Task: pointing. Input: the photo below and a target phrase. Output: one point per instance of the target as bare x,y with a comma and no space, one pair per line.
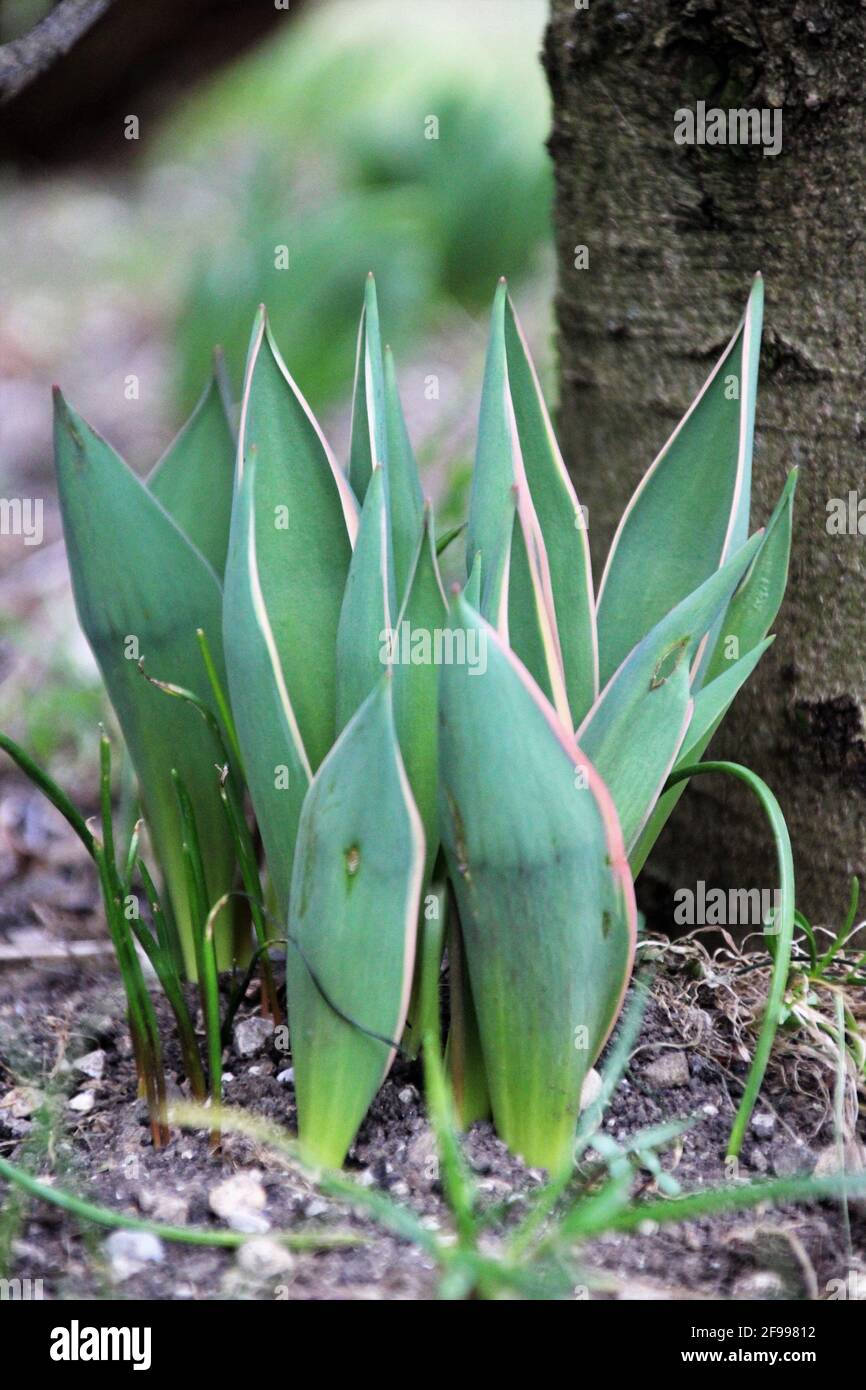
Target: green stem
49,788
246,857
186,1235
219,695
784,922
211,1003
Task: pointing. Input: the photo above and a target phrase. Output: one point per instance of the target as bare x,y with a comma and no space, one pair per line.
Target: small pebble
129,1251
252,1035
670,1068
83,1103
264,1259
240,1201
287,1077
760,1283
92,1064
763,1122
164,1206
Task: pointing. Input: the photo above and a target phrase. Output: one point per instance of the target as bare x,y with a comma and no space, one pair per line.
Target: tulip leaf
690,512
532,631
713,700
194,478
148,607
561,520
368,445
472,587
634,731
491,504
357,872
416,682
306,520
368,603
276,765
546,903
405,497
537,575
754,606
635,737
747,618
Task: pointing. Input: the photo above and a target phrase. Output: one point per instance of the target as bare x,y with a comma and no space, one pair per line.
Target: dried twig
24,59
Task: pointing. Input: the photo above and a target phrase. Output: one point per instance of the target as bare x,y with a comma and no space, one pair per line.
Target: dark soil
52,1013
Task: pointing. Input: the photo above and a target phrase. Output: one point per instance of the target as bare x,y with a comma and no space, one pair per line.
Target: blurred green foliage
407,139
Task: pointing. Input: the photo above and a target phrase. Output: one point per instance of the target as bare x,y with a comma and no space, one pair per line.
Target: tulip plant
514,746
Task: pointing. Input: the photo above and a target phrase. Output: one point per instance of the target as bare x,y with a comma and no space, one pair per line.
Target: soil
689,1062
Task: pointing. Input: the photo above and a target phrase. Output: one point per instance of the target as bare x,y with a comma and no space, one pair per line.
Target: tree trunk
674,233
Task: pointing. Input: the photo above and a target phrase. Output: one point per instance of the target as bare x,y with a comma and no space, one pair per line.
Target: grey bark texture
674,234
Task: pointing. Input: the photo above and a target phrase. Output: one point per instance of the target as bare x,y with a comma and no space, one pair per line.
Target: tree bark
674,234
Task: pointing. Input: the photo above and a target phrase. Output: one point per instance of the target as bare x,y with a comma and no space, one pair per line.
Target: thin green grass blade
183,1235
783,927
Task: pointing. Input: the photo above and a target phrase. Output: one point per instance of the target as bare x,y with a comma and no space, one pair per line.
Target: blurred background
180,164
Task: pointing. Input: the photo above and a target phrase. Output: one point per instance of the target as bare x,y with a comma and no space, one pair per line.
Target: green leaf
416,683
691,510
712,702
368,445
472,587
710,707
194,478
405,498
354,907
532,629
306,521
368,603
754,606
634,731
518,465
141,590
634,739
464,1058
748,617
276,765
546,902
448,536
491,504
561,520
